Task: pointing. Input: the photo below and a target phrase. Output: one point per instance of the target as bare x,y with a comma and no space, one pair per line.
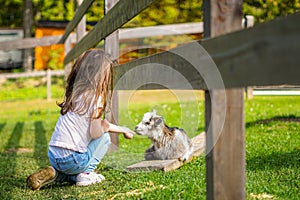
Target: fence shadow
275,160
41,145
9,161
2,126
287,118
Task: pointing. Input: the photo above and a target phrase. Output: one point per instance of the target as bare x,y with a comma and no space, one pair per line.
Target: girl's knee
106,138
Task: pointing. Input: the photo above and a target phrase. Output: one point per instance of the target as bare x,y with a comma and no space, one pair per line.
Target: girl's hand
128,134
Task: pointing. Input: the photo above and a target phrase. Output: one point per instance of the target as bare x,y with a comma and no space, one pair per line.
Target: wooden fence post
68,66
225,156
48,78
81,27
249,22
80,33
112,48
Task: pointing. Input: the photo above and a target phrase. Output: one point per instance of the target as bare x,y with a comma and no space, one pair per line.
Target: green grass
272,150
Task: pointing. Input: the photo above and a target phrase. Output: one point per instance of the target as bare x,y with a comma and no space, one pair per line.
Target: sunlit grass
272,149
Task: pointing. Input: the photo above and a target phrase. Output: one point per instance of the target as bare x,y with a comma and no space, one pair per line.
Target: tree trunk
27,27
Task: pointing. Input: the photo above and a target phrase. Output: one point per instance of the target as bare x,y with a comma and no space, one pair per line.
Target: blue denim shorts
71,164
77,162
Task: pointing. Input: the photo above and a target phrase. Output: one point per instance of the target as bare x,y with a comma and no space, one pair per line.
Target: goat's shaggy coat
167,143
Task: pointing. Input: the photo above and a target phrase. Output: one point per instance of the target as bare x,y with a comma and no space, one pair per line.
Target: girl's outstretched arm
99,126
120,129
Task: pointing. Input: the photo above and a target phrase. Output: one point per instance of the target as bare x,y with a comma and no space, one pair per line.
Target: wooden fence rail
48,74
267,54
124,33
31,74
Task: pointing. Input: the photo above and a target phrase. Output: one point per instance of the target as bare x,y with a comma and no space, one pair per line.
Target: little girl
81,139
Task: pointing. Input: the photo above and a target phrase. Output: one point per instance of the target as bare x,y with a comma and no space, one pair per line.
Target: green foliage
169,12
64,10
96,11
30,88
160,12
265,10
11,13
54,10
55,61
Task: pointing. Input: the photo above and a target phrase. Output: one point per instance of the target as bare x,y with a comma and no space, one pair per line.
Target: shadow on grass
9,178
41,145
288,118
9,161
275,161
2,126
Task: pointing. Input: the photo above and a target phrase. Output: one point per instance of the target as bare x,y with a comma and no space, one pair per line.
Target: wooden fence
267,54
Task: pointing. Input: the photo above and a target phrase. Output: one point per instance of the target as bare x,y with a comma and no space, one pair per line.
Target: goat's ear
154,111
157,121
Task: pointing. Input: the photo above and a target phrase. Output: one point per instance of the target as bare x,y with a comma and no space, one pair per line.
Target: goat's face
149,124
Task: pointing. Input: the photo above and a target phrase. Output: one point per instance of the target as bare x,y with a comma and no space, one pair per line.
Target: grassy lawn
272,147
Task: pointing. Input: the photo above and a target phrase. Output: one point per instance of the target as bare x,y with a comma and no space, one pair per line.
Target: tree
169,12
12,15
27,27
265,10
160,12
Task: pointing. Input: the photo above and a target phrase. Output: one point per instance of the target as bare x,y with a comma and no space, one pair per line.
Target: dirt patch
18,150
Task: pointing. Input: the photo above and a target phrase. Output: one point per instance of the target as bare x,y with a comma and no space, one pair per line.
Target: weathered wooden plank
28,43
33,42
79,14
31,74
81,26
168,165
111,47
225,149
155,165
68,46
126,33
161,30
251,57
225,153
199,144
48,78
120,14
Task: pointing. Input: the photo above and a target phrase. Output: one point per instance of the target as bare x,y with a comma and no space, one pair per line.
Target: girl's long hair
89,80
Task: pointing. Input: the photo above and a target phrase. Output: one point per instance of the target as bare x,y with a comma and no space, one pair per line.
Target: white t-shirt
72,133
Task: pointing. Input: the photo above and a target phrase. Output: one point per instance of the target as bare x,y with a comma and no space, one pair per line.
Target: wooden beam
120,14
161,30
28,43
79,14
111,47
224,120
251,57
124,33
225,151
31,74
168,165
81,26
